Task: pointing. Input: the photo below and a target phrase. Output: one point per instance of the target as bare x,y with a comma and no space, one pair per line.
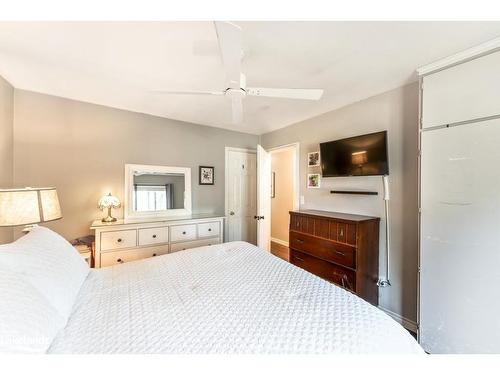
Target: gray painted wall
397,112
6,145
82,148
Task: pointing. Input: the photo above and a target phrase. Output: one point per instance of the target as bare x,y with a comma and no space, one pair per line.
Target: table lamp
108,201
28,206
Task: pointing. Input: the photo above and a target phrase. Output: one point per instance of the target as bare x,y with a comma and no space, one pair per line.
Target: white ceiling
119,64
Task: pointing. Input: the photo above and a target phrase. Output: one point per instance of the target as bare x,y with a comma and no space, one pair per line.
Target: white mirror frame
129,213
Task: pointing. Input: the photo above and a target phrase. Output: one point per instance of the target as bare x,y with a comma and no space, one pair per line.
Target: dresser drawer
339,275
192,244
119,239
324,249
122,256
208,229
153,236
183,232
345,232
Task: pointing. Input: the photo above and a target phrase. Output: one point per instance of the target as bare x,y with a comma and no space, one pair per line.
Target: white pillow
50,263
28,322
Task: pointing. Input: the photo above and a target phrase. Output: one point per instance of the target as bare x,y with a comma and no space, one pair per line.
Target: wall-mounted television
364,155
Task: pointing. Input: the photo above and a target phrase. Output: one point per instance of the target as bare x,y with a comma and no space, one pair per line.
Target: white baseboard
407,323
278,241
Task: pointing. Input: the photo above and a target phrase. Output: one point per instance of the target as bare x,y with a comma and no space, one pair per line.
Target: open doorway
284,195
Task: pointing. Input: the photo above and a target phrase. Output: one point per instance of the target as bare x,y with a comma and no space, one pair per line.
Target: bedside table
86,253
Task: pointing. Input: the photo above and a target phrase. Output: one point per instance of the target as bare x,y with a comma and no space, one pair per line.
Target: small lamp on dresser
28,206
108,201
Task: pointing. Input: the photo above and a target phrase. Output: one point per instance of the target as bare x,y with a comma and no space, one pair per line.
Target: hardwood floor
280,251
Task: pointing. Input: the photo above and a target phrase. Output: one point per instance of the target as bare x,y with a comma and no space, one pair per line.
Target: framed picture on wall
313,180
206,175
313,159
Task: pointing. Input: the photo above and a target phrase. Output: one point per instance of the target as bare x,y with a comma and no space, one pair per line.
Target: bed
228,298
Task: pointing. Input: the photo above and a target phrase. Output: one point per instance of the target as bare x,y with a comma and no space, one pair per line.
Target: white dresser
125,241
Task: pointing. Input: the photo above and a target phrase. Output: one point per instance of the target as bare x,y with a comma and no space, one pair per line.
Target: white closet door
464,92
460,239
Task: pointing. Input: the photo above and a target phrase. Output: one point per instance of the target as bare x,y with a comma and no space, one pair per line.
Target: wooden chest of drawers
341,248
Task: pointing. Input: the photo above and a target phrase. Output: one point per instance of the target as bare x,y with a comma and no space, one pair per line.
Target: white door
241,195
263,199
460,239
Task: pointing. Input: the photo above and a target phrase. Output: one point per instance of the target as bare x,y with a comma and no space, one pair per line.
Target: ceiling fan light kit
229,38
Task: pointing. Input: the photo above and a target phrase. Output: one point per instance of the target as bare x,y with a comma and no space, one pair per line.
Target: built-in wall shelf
354,192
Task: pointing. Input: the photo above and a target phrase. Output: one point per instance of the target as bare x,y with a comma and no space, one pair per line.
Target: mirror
156,191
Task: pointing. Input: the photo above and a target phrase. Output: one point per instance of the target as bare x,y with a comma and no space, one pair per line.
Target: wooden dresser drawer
119,239
192,244
324,249
183,232
122,256
339,275
153,236
343,232
208,229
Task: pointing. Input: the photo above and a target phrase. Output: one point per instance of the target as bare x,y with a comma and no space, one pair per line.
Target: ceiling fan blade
168,92
237,106
229,37
307,94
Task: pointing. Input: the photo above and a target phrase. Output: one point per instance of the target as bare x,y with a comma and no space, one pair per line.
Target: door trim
226,182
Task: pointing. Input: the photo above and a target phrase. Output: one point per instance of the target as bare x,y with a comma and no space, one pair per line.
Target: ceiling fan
229,38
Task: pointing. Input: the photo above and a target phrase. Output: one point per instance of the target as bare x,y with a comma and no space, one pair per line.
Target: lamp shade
108,201
28,206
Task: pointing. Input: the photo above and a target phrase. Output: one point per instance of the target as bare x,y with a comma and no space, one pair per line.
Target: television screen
364,155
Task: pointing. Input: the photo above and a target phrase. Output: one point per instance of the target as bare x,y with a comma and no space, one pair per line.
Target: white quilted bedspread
229,298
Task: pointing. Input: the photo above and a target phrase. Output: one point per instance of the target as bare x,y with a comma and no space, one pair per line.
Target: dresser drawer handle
154,235
119,260
184,232
298,258
119,240
340,253
209,229
299,241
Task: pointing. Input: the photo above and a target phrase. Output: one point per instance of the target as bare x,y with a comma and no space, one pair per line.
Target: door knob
231,213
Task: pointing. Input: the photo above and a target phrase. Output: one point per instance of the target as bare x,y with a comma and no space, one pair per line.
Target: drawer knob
184,232
119,260
340,253
119,240
154,254
209,229
154,235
